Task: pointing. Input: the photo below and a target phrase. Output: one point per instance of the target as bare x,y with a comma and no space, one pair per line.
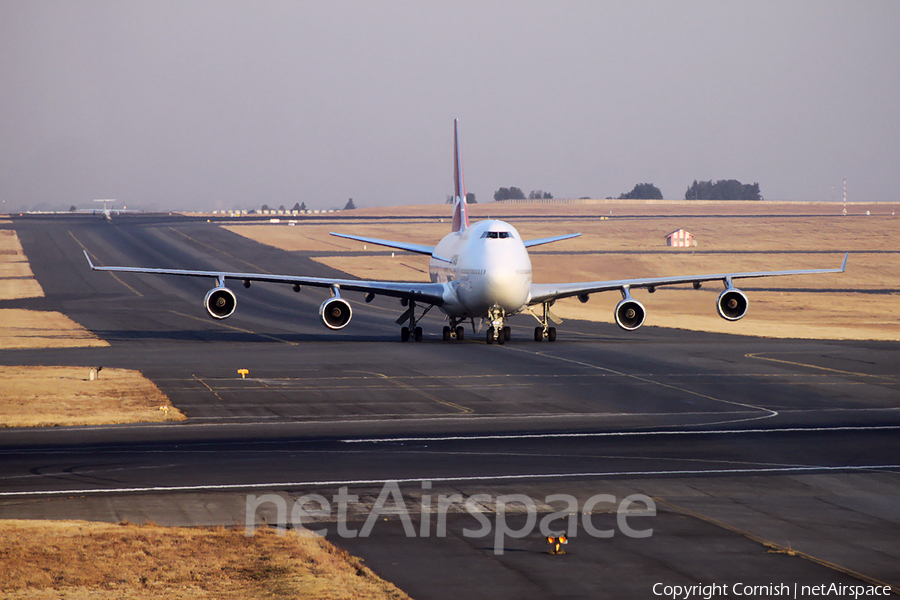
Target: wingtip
90,262
844,266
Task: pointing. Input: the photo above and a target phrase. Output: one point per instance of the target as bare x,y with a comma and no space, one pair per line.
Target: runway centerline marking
771,413
554,435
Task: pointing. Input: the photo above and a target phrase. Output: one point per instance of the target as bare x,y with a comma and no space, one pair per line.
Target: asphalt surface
767,461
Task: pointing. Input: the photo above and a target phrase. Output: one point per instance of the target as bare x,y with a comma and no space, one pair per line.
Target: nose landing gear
497,332
454,331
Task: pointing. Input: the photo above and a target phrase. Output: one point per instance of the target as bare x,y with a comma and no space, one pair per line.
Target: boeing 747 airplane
479,273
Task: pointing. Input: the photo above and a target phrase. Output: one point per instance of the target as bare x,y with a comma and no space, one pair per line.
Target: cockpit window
496,234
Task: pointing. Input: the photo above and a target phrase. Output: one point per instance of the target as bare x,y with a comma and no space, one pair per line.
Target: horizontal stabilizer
417,248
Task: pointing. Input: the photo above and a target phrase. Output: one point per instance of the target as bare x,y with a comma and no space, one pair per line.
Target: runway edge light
243,373
557,543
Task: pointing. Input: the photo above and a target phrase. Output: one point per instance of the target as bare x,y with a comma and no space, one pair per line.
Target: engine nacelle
336,313
220,302
732,304
630,314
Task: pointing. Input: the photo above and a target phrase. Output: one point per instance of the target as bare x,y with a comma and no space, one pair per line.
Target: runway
791,441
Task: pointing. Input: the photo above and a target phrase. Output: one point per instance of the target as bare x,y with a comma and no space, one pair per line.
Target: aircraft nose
506,288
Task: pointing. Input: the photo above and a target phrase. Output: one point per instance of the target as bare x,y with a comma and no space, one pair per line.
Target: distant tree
264,207
470,198
643,191
281,207
303,206
540,195
512,193
296,206
349,205
724,189
73,208
751,192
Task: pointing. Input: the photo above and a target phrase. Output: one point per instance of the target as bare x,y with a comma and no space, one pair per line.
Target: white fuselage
489,268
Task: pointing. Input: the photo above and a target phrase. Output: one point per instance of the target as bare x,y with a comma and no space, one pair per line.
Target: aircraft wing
430,293
545,292
547,240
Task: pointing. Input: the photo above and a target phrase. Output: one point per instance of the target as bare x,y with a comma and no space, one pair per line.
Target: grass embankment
80,560
21,328
47,396
16,279
732,237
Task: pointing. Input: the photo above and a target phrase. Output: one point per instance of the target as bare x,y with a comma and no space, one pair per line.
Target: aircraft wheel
551,334
446,332
538,334
507,333
501,339
490,335
417,334
404,334
460,333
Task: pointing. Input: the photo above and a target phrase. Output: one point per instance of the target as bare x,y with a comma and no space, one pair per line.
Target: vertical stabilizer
460,212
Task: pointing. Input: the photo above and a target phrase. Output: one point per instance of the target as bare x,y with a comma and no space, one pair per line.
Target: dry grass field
741,236
79,560
21,328
51,396
16,278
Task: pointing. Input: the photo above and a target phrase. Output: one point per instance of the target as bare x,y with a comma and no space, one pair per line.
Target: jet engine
220,302
630,314
732,304
335,313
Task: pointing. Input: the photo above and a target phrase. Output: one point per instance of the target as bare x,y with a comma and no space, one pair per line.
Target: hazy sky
233,104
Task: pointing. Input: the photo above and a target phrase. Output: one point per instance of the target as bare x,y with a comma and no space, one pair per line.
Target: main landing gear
413,330
544,330
454,331
405,334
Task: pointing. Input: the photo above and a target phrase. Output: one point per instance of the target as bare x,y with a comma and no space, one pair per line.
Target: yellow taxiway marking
396,381
242,330
799,364
774,547
218,250
99,262
770,413
219,398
